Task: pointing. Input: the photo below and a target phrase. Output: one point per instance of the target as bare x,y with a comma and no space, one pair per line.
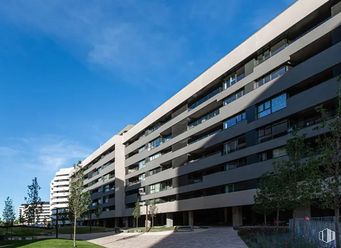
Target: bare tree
79,200
152,212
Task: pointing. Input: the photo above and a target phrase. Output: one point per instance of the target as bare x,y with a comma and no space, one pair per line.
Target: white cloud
45,153
126,39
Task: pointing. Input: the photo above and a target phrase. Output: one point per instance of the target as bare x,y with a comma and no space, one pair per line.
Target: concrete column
116,222
184,218
237,216
190,218
169,219
226,215
302,212
125,222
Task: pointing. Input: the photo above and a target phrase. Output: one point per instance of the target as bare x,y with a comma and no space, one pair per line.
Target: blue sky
73,73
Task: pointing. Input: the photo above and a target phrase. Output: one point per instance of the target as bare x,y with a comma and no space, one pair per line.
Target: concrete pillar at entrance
237,216
226,216
302,212
125,222
184,218
169,219
190,218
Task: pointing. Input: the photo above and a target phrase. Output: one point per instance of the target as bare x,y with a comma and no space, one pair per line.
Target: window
268,77
234,120
142,148
155,143
234,78
279,152
142,164
203,119
234,145
263,156
205,98
272,51
229,81
233,97
142,177
272,105
155,156
154,188
272,131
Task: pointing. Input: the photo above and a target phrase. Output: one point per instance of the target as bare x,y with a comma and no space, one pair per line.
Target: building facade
42,217
199,155
59,193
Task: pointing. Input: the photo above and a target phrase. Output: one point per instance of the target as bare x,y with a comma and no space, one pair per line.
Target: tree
8,214
293,182
137,213
299,174
270,194
263,198
21,219
34,204
329,145
152,212
79,200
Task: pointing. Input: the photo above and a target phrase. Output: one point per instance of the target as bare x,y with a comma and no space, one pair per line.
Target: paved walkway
202,238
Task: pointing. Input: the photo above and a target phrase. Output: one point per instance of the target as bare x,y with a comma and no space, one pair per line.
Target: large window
234,145
203,118
234,120
142,164
142,177
154,188
205,98
272,131
272,51
268,77
234,78
154,143
271,106
233,97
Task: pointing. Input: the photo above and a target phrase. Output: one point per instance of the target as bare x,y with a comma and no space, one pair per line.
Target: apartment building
199,155
104,177
59,193
42,217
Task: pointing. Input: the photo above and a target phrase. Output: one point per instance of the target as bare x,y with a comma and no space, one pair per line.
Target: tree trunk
74,231
90,222
277,217
337,229
264,219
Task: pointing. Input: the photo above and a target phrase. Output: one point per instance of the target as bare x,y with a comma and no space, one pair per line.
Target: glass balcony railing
205,98
203,119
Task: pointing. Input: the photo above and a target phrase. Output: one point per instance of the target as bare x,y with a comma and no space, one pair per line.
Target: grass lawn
47,243
23,231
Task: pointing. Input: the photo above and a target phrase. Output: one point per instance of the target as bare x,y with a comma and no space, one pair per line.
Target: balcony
205,98
203,119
